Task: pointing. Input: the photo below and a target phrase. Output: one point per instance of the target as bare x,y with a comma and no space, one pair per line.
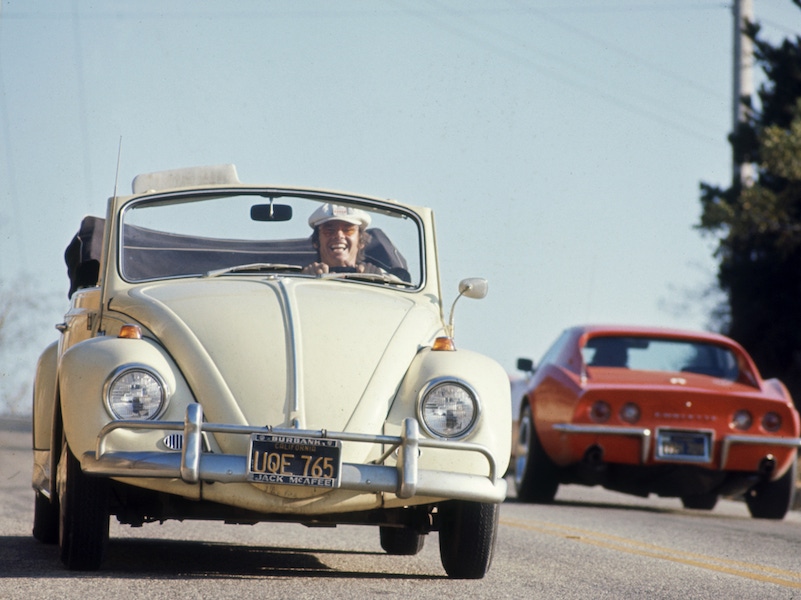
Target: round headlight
135,393
449,409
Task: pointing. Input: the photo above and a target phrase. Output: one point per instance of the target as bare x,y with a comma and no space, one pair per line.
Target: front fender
491,384
44,397
85,370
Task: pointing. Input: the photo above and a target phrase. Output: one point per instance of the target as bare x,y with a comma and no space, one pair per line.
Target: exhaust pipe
593,456
767,466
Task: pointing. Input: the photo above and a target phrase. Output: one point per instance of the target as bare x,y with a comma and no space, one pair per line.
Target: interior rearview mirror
271,212
525,364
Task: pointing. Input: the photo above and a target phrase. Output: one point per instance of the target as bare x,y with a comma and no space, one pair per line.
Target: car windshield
215,234
660,354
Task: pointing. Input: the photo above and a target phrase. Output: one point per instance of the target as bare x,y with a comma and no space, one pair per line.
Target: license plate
291,460
694,446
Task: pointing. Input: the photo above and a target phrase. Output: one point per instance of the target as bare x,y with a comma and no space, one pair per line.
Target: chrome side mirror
472,287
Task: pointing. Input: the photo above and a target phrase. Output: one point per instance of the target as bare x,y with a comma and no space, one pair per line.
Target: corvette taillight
771,422
742,420
600,411
630,413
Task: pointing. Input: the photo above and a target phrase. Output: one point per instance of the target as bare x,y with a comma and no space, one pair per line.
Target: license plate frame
294,460
681,445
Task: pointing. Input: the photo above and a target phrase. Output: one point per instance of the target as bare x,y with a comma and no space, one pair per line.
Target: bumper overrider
192,465
645,436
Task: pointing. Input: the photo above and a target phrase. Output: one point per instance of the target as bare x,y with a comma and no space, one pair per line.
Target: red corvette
655,411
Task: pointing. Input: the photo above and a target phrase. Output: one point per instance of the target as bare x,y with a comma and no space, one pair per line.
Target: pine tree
759,226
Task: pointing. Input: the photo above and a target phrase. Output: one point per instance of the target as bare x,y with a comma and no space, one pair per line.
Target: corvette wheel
401,541
536,476
45,519
772,499
467,537
83,515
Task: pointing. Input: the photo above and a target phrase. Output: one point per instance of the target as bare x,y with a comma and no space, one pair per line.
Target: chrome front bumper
645,435
192,465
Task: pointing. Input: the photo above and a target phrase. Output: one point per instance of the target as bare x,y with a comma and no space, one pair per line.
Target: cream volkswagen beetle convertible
210,367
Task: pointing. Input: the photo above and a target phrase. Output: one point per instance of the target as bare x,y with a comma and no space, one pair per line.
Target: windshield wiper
254,268
382,277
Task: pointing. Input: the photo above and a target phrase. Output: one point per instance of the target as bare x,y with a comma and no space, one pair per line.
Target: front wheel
467,534
536,475
45,519
83,515
772,499
401,541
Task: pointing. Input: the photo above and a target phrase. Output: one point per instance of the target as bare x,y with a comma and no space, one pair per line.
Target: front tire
401,541
772,499
45,519
536,475
467,536
83,515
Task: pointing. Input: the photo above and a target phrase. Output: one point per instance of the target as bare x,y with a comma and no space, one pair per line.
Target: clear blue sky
561,143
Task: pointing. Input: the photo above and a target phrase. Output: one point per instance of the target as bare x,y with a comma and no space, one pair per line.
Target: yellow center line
621,544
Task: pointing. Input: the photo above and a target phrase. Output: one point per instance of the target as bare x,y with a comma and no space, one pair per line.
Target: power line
80,82
10,187
625,53
487,37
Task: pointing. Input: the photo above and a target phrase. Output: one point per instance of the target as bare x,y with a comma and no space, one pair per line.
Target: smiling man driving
339,237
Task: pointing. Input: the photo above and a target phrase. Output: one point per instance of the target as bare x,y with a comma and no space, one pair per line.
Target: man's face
339,243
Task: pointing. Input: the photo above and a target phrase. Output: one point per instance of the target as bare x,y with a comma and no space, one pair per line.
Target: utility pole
744,174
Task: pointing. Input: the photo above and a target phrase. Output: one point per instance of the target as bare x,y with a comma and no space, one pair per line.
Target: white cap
334,212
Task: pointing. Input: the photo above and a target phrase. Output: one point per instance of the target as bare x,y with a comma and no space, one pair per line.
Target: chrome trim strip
731,440
292,336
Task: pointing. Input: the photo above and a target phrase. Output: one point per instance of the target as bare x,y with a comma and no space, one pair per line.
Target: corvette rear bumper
646,435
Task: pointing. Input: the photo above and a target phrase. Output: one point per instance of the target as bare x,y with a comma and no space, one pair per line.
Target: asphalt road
589,544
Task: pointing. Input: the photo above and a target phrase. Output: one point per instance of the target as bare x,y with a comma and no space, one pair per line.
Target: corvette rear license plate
291,460
695,446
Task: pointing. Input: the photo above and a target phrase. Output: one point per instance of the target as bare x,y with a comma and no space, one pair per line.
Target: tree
26,327
759,226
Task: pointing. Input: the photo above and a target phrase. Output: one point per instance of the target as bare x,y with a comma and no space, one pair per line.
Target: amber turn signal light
130,332
444,343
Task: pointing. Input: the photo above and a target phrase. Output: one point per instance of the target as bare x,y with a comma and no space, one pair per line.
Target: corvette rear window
660,354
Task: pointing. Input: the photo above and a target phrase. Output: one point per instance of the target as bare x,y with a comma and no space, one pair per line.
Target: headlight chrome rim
434,384
130,369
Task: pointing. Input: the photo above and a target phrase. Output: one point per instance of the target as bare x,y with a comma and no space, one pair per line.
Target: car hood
316,354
